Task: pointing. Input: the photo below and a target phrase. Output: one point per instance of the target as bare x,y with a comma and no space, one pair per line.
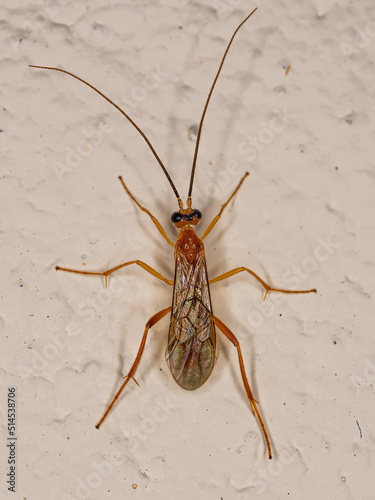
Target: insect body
192,340
190,352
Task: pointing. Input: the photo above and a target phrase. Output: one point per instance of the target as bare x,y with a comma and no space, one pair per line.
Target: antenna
126,116
206,106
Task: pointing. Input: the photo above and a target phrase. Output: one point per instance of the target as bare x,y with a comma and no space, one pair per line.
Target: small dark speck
334,342
336,168
360,430
193,132
302,150
180,27
47,316
20,286
67,438
280,314
1,130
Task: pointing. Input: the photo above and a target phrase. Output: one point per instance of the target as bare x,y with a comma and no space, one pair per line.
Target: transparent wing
191,346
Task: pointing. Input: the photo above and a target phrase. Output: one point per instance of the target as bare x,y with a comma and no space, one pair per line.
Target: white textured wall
305,215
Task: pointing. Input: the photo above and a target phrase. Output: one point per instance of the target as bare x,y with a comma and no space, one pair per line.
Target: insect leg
267,287
154,219
214,221
253,402
151,322
143,265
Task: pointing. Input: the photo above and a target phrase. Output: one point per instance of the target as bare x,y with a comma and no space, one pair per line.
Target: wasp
191,348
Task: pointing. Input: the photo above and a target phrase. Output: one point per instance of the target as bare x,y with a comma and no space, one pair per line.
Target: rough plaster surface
304,218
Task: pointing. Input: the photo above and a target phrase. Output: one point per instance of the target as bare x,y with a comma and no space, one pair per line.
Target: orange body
190,352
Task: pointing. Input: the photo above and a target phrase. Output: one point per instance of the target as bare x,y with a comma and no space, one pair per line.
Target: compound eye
176,217
197,213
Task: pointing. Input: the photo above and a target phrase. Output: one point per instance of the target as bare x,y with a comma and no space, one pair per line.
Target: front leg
144,209
212,224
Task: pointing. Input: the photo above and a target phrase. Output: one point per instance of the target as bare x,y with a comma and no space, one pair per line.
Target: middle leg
140,263
267,287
